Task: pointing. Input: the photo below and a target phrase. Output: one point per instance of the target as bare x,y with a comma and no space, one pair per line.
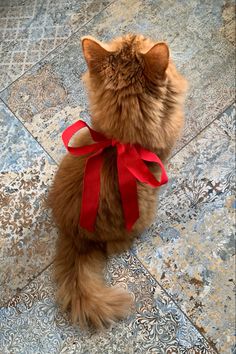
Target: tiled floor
30,29
181,271
190,248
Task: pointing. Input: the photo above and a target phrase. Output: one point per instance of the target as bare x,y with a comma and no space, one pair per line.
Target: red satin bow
130,167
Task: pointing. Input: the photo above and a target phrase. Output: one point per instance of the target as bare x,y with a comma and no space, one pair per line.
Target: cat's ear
94,53
156,59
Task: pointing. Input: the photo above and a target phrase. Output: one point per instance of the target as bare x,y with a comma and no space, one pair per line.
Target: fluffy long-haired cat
136,97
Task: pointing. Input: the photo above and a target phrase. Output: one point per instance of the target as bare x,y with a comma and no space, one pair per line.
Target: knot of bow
130,168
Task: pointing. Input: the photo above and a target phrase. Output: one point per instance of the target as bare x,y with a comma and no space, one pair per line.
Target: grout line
39,143
176,304
226,107
37,275
19,290
56,48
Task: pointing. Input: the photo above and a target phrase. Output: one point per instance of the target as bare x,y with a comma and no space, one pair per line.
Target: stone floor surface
181,271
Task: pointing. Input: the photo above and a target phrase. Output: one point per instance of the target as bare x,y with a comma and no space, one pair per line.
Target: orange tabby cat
136,96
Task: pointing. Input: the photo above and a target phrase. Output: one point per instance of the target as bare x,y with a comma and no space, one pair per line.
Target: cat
136,96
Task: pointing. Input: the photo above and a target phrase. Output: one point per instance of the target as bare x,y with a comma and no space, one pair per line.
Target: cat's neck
130,119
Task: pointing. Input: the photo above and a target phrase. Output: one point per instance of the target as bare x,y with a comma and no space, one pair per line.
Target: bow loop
130,168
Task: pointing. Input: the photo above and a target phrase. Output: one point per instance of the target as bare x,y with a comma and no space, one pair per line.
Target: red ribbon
130,167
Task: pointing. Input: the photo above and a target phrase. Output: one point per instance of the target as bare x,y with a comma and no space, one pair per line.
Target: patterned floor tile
51,95
190,248
30,29
32,324
26,231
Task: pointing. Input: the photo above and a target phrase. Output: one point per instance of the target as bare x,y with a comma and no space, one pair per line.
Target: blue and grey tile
30,29
32,323
27,233
190,248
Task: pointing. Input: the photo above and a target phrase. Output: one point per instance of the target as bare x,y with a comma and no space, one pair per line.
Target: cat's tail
81,286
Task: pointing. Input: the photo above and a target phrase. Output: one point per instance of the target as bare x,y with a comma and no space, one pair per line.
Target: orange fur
136,96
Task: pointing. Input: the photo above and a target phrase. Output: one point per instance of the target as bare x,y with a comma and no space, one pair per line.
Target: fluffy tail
79,274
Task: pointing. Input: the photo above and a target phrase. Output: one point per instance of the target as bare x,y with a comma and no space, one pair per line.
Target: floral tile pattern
187,256
200,34
27,234
190,249
32,323
30,29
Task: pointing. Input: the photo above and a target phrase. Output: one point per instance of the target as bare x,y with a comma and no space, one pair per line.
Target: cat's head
134,89
131,63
